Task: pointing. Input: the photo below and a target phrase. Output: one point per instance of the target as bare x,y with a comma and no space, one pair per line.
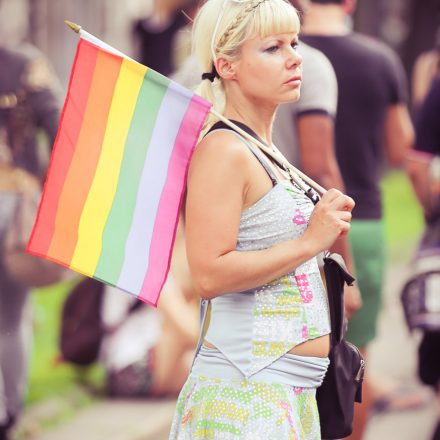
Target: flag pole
96,41
75,27
277,155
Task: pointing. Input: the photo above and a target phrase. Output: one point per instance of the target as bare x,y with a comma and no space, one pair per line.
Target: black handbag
342,385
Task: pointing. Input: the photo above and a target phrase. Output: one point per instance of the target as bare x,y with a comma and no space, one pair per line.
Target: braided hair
250,7
222,26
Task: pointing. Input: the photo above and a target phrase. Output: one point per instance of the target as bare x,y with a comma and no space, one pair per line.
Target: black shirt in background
25,75
156,45
370,79
428,121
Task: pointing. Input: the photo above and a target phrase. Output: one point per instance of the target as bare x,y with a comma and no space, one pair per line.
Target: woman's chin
293,96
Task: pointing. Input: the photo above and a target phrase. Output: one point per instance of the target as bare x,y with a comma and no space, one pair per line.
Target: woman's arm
178,313
218,185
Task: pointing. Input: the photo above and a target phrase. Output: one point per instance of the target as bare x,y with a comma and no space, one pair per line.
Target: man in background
372,121
304,133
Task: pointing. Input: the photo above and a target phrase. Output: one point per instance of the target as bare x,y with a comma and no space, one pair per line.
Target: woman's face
269,69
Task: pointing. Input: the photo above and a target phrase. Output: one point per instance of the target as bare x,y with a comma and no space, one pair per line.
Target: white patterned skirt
227,406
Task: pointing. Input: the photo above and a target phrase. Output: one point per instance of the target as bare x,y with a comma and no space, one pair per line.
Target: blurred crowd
358,113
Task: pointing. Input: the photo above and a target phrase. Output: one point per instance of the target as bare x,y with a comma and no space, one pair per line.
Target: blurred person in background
424,169
372,121
15,319
304,132
149,351
28,103
426,68
154,36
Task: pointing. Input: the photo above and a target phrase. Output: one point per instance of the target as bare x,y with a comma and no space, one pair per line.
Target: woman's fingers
344,215
331,195
338,201
342,203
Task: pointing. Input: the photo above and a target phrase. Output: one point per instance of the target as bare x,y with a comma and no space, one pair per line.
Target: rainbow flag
117,175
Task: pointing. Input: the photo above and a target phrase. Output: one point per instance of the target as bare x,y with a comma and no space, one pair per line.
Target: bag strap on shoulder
294,178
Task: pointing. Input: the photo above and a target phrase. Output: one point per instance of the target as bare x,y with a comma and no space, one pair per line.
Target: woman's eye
294,45
272,49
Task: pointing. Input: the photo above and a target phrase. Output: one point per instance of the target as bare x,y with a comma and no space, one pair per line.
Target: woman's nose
294,59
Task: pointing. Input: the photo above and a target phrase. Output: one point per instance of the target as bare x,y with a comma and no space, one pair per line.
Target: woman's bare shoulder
221,147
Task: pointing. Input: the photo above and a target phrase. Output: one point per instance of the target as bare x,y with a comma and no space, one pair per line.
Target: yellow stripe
103,188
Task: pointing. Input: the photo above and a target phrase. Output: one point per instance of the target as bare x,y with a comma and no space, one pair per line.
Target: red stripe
87,152
67,136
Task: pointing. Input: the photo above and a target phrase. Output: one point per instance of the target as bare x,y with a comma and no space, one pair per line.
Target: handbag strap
336,275
275,157
204,307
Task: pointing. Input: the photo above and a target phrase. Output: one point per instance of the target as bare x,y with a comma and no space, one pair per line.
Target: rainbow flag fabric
117,176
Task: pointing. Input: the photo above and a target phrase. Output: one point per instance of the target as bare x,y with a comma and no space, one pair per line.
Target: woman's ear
225,68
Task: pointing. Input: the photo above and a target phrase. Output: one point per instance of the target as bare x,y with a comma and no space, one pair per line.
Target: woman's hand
222,174
330,220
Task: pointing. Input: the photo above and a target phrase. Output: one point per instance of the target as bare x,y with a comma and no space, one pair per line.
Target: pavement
392,355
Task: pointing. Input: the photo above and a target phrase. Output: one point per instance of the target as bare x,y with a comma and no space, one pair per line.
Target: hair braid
246,10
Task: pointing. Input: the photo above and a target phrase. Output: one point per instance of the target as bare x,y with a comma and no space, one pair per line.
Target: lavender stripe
154,174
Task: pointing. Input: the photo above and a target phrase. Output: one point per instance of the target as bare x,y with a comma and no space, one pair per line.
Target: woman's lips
295,80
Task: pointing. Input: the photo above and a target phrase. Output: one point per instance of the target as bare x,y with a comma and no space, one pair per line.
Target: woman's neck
257,116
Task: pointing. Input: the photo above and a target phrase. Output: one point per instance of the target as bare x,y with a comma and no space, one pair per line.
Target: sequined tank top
253,328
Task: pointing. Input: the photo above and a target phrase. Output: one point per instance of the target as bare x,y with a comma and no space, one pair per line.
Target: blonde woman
252,240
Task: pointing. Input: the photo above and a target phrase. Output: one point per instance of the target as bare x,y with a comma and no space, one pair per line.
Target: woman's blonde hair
233,23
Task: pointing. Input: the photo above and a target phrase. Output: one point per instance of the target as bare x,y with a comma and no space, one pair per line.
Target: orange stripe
64,146
85,159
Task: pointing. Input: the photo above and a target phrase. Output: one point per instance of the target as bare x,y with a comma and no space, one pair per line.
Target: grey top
254,328
9,202
319,94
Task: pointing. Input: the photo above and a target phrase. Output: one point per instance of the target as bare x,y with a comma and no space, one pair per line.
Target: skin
174,350
225,178
179,308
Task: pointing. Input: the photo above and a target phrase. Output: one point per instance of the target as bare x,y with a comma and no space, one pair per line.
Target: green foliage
402,213
49,377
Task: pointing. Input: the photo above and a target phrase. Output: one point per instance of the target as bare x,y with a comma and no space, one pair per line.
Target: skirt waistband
293,370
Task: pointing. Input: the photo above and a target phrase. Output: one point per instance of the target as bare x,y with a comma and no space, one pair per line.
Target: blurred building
41,22
407,25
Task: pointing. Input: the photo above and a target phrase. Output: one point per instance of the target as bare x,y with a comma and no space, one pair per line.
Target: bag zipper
360,374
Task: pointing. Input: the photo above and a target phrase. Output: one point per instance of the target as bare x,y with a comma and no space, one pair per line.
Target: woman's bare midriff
319,347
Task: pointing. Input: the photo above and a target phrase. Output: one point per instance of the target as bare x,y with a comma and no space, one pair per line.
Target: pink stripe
165,226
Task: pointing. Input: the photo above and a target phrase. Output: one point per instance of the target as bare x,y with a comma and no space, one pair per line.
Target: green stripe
119,220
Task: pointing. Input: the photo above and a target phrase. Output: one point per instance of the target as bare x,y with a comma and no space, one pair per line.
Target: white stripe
97,42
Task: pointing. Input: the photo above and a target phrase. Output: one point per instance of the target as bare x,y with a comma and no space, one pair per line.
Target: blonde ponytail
212,92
